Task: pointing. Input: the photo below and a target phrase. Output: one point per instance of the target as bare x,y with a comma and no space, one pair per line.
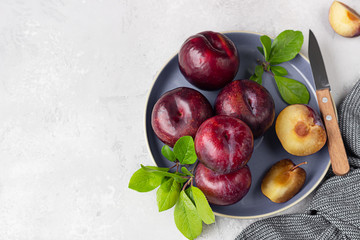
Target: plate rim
217,213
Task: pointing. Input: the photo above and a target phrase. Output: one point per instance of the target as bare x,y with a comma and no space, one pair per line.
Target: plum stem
294,167
187,183
270,73
173,166
266,66
193,168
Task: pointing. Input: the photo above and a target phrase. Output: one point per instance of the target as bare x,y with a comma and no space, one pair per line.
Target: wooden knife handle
338,158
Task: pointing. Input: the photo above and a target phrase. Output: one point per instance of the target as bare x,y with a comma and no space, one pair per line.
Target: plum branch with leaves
176,188
284,48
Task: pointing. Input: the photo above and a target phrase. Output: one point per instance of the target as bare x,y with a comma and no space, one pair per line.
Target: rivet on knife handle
338,158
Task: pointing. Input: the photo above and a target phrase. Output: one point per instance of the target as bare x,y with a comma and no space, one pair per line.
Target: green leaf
190,194
186,171
186,217
278,70
185,151
261,50
202,206
181,178
259,70
168,153
164,180
163,169
143,181
266,43
168,194
292,91
253,77
257,76
256,79
286,46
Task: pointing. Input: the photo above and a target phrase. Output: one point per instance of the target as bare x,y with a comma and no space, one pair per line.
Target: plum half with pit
300,130
179,112
283,181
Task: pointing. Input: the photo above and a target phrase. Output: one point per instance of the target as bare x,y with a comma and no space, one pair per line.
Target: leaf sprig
284,48
176,188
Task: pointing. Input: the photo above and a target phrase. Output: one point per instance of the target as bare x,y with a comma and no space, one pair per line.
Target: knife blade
338,157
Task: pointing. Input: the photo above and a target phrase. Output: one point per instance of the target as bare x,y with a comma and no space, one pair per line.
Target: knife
338,158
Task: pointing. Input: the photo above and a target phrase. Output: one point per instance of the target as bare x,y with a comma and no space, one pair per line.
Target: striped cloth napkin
334,212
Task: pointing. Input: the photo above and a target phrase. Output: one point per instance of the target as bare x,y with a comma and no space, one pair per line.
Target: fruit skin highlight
248,101
179,112
300,130
223,189
283,181
344,20
224,144
208,60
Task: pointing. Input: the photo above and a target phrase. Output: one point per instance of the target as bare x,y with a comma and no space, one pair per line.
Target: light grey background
74,80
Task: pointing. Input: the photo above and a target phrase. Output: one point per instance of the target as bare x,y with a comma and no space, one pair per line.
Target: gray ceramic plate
268,149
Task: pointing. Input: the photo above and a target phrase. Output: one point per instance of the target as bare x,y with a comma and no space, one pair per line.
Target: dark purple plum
178,113
208,60
248,101
224,144
223,189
